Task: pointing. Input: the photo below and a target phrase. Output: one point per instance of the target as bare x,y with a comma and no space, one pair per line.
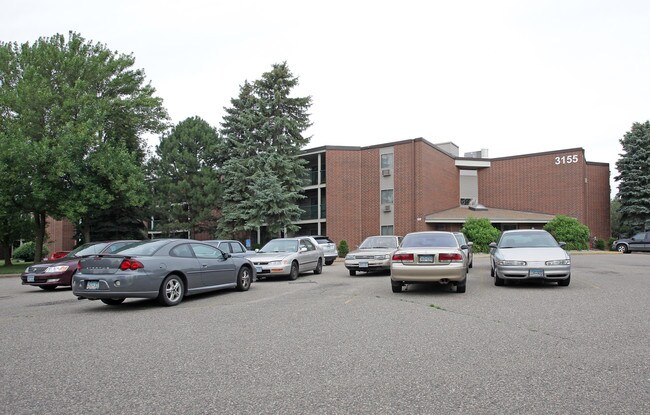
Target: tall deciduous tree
262,173
72,119
185,178
634,177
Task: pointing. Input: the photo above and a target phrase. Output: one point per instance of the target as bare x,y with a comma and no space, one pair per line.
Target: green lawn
16,268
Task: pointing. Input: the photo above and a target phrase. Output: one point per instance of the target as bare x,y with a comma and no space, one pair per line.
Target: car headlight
559,262
275,262
58,268
510,263
349,257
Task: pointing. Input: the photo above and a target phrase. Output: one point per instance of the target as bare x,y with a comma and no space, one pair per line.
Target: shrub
569,230
343,248
610,241
600,244
481,233
26,252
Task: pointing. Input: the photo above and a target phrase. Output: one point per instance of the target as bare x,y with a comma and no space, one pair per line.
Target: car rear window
145,248
323,241
426,240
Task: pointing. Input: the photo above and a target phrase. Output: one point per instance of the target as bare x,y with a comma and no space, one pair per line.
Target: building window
387,197
387,230
464,201
387,161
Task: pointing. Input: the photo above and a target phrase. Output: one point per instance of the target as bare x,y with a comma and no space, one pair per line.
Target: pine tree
263,135
634,177
185,178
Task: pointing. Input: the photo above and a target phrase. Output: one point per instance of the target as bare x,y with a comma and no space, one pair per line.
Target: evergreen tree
185,178
634,177
262,173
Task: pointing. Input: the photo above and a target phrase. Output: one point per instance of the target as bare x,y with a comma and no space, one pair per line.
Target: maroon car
51,274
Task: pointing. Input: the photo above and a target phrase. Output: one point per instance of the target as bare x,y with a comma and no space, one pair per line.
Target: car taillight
130,264
403,257
78,265
450,257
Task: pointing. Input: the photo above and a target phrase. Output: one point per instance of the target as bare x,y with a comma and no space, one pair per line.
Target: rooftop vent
475,205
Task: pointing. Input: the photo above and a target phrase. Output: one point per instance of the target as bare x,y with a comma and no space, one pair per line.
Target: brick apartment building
413,185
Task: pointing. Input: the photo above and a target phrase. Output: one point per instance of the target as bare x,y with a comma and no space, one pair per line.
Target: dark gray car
166,269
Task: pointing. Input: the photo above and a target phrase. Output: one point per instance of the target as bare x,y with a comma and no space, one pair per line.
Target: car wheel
244,279
622,248
471,264
498,281
564,283
47,287
462,287
319,267
491,272
171,291
329,262
293,274
353,273
396,286
112,301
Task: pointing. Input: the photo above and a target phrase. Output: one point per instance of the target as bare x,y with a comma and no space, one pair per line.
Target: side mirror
464,247
493,245
562,244
227,255
257,250
303,249
470,243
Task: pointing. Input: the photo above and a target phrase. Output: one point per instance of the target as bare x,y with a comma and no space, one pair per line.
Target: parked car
373,254
529,254
165,269
288,256
57,255
329,248
232,247
460,237
58,273
429,257
639,242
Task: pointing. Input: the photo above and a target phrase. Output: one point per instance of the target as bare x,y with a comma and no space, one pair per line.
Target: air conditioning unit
385,172
387,208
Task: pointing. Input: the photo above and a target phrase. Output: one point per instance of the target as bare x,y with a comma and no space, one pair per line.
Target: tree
569,230
72,119
634,177
185,177
481,233
262,173
14,225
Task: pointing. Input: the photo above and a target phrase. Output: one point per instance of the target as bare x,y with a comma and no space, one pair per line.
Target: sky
513,77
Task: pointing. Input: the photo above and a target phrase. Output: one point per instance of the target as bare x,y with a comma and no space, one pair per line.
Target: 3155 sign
573,158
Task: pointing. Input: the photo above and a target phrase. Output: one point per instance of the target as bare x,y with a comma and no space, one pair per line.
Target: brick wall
345,195
598,200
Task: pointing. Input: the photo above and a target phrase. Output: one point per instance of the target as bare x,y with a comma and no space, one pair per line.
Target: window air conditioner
387,208
385,172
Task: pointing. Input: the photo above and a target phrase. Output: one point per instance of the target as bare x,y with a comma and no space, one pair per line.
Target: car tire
47,287
244,277
471,264
461,287
172,291
622,248
295,271
113,301
352,272
492,271
498,281
396,286
319,267
329,262
564,283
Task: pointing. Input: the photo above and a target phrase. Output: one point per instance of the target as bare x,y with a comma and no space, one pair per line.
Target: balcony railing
311,179
311,212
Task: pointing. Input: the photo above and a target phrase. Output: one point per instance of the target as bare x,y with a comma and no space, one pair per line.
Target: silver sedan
529,254
288,257
166,269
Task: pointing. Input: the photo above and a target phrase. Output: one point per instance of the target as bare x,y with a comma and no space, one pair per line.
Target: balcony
310,212
311,178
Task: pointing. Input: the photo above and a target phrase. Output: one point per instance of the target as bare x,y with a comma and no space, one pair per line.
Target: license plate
536,273
426,258
258,269
363,265
92,285
30,278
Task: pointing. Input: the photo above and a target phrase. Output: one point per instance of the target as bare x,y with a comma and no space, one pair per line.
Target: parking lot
335,344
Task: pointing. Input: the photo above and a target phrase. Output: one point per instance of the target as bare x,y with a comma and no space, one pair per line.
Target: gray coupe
166,269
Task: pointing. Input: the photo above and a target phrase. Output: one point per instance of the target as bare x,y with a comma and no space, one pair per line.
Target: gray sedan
166,269
289,256
529,254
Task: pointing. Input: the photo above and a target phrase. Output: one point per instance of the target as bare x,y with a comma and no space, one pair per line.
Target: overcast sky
514,77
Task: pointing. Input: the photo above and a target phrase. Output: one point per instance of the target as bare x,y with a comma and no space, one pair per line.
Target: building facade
413,185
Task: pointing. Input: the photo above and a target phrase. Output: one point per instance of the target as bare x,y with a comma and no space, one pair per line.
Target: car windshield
527,240
426,240
144,248
280,245
87,249
375,242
